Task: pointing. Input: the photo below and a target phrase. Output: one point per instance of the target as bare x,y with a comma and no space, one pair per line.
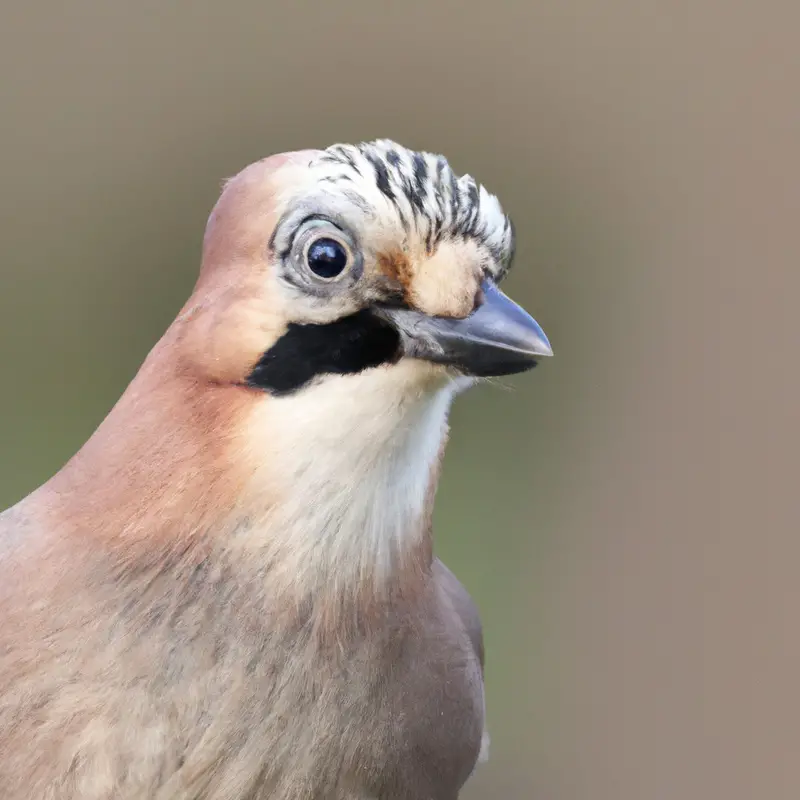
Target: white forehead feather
421,191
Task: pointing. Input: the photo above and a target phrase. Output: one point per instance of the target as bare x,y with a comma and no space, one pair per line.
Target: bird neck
353,463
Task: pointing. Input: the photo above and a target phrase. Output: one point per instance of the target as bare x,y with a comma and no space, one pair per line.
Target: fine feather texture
230,593
369,515
429,199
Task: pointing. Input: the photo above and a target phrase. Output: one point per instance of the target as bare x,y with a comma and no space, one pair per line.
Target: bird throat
354,460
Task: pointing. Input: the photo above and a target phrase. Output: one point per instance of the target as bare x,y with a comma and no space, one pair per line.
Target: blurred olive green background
620,514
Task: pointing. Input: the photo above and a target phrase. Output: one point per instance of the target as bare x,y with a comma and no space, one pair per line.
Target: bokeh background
625,516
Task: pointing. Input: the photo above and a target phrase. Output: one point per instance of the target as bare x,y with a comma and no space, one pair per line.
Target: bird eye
327,258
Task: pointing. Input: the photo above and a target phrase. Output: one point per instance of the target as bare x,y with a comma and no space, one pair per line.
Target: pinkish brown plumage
230,592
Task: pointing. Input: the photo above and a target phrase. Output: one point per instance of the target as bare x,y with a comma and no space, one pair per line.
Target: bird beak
499,338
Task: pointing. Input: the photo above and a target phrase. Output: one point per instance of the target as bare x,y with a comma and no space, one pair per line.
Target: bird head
320,265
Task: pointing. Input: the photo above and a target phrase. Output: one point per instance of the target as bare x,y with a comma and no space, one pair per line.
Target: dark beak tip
498,339
513,327
531,339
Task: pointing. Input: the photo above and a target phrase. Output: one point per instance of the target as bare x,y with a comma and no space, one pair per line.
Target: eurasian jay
230,591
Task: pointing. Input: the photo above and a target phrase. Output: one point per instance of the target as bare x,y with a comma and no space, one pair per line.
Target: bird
230,591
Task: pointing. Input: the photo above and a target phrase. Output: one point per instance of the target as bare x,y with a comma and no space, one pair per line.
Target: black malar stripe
344,347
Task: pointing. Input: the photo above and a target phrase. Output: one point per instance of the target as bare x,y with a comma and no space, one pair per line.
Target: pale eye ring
327,257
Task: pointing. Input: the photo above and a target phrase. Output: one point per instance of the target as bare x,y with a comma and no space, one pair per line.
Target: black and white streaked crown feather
428,196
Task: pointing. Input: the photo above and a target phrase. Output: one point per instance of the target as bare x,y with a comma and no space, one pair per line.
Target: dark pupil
327,258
